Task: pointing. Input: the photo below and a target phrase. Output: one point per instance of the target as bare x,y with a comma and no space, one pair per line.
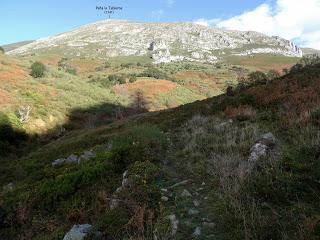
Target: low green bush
65,185
37,70
152,72
315,117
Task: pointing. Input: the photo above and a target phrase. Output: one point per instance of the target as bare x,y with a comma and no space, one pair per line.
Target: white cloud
297,20
170,3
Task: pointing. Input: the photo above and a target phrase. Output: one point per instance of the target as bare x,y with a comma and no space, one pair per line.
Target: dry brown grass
242,110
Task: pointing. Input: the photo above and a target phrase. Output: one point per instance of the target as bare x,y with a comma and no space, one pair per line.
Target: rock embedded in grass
174,224
193,211
197,232
186,193
260,148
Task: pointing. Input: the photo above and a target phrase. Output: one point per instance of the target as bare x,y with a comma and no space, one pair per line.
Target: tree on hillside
272,74
37,70
257,77
1,50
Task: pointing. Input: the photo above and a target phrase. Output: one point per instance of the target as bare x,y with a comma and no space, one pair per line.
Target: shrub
146,170
257,77
1,50
132,79
272,74
315,117
247,99
116,79
71,70
123,155
37,70
66,185
126,65
152,72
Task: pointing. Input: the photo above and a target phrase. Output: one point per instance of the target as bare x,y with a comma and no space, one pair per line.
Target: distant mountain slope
307,51
13,46
164,42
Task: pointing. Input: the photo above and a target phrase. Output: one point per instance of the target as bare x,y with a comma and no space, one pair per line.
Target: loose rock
78,232
193,211
186,193
174,224
197,232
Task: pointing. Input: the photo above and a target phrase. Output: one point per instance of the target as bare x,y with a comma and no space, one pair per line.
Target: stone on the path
126,183
193,211
164,198
257,151
78,232
174,224
72,159
209,224
268,139
184,182
196,203
186,193
9,187
58,162
87,155
114,203
197,232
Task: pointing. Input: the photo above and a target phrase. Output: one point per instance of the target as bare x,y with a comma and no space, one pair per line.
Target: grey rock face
113,38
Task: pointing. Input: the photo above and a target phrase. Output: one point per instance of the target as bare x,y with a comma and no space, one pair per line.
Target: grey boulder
78,232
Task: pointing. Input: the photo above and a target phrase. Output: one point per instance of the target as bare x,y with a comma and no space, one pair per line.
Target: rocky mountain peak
165,42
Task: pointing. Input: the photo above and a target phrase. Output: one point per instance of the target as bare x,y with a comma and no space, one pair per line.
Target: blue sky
33,19
296,20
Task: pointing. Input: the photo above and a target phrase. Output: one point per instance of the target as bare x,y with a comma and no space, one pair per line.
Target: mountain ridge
163,42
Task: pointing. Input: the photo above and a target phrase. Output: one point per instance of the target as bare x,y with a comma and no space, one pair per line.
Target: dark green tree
272,74
257,77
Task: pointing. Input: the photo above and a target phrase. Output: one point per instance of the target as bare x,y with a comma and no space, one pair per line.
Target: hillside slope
244,165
